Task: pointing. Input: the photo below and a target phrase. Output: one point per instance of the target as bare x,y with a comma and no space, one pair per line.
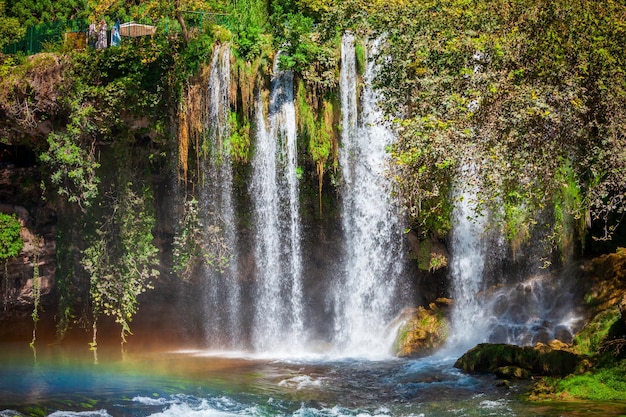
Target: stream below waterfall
64,381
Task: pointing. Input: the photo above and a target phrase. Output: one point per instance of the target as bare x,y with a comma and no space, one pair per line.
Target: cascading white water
223,290
365,296
370,288
467,265
529,305
538,309
278,316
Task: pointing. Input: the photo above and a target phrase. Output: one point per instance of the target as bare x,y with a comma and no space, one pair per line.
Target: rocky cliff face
20,195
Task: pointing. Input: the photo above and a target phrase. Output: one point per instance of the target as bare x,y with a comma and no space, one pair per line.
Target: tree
32,12
529,90
10,28
11,244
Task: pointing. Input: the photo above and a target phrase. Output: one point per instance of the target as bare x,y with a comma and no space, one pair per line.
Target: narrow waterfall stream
467,266
278,320
222,302
367,295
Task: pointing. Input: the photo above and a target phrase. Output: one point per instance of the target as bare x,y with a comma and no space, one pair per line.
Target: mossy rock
423,333
587,341
607,274
430,253
512,372
539,360
555,362
606,300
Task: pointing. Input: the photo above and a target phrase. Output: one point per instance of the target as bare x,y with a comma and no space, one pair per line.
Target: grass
607,384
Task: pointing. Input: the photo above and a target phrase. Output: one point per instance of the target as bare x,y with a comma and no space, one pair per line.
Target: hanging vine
36,291
122,260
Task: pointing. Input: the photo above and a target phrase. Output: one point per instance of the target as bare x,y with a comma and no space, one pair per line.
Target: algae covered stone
519,361
424,331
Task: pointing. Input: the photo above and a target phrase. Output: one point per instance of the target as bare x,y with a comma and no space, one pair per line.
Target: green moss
221,34
317,127
35,411
424,332
239,138
423,255
588,339
517,221
361,57
569,222
604,385
307,125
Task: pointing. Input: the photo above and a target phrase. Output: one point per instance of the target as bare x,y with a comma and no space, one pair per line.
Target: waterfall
365,296
278,316
222,291
528,304
467,265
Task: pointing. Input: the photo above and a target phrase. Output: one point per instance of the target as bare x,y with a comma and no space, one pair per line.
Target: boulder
509,361
423,332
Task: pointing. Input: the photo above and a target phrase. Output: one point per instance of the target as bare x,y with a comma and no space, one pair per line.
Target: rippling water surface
59,381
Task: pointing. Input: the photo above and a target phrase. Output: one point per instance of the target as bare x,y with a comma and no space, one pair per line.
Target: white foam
9,413
301,382
150,401
500,406
184,409
345,412
97,413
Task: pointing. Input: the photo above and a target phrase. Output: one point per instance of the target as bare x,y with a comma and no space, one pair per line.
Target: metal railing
38,37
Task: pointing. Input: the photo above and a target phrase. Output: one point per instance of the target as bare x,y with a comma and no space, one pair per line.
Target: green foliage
239,138
11,30
518,220
197,243
131,79
108,90
321,144
306,49
121,259
426,152
307,120
73,166
317,128
518,86
11,242
569,209
187,242
294,34
31,12
197,52
249,19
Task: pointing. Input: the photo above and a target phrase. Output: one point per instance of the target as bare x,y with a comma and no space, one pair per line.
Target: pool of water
73,381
